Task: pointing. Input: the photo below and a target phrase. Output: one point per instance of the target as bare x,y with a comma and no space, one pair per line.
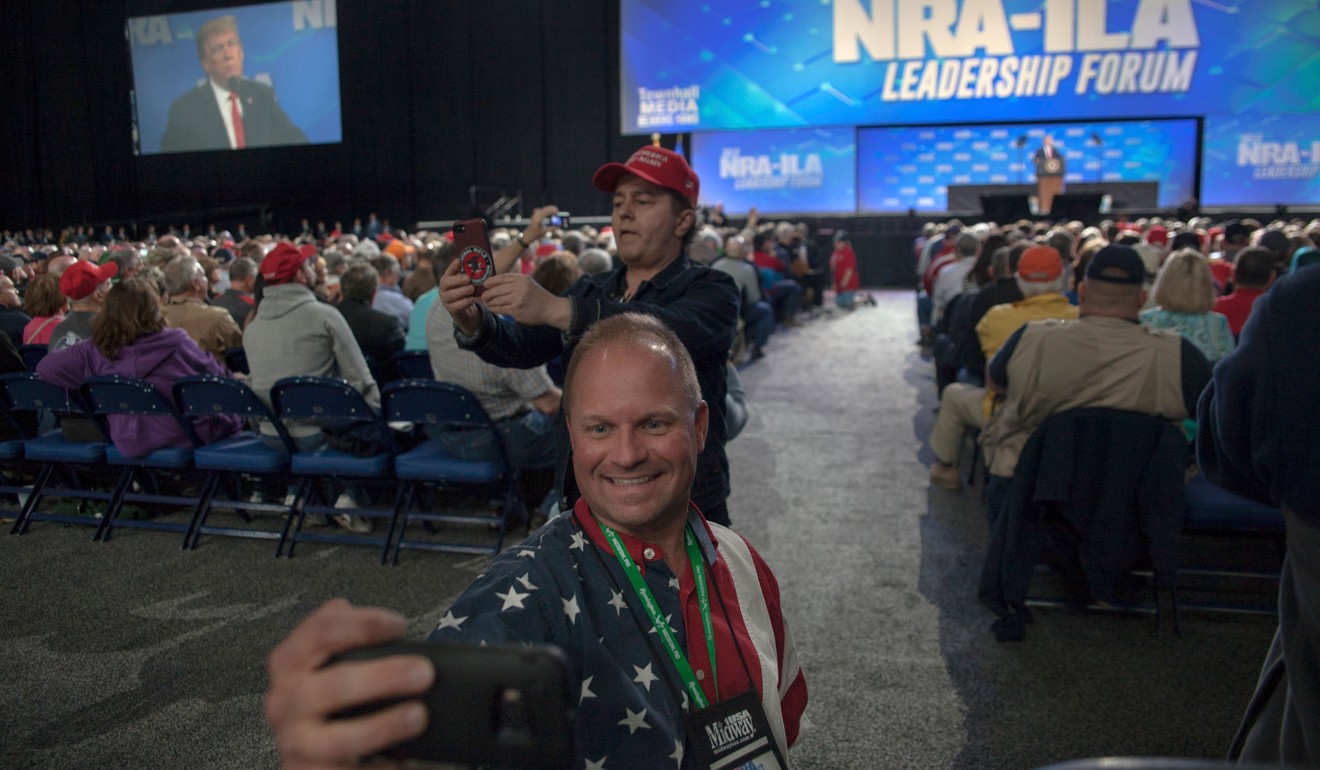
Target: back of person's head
1061,241
1184,283
574,241
359,282
1114,284
43,298
557,272
1040,271
132,311
1276,241
735,246
594,261
1015,254
253,251
156,278
127,259
385,264
1186,239
999,262
759,240
241,269
180,273
1254,268
640,331
967,245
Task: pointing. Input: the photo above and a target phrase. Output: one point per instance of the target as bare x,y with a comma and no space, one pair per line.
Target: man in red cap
295,334
654,219
85,284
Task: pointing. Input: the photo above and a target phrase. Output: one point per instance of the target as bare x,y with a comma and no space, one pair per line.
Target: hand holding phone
472,245
501,705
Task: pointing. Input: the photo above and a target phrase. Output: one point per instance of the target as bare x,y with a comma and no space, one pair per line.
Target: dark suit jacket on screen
196,124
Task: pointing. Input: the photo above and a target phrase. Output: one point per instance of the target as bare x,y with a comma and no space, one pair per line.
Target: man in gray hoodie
294,334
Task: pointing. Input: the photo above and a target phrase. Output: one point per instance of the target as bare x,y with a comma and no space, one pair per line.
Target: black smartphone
474,254
561,219
501,705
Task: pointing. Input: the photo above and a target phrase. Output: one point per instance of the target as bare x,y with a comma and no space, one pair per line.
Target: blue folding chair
413,365
228,461
116,395
445,405
32,355
51,453
328,401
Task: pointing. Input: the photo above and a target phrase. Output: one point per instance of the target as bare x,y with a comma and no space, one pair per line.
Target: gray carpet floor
133,653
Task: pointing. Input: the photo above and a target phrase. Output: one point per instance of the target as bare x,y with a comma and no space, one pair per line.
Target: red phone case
474,255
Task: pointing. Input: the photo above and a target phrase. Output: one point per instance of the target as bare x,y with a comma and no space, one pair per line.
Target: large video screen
236,78
703,65
806,171
1267,161
912,168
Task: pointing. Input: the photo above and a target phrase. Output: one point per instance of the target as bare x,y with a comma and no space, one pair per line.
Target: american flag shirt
564,586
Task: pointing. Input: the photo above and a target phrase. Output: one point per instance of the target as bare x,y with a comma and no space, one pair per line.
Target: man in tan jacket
212,328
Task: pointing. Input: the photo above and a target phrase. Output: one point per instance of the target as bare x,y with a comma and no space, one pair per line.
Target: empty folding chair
108,396
331,402
228,461
70,464
445,405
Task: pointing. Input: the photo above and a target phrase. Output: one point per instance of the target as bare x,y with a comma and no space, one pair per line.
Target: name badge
733,735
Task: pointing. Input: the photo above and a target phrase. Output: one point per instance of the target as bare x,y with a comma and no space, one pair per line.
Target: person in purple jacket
130,338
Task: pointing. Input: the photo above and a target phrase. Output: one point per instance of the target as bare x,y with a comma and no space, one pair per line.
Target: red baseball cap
284,262
657,166
80,279
1040,264
1158,235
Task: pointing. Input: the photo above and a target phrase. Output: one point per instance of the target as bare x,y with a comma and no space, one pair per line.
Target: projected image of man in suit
227,111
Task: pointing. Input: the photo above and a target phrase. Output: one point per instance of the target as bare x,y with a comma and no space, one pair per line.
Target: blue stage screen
807,171
1268,161
703,65
291,48
911,168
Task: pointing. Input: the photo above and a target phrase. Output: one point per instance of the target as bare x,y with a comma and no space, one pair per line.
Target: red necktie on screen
240,141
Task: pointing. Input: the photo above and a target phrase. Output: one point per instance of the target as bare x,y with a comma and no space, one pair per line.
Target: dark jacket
699,304
1095,492
237,303
378,334
195,122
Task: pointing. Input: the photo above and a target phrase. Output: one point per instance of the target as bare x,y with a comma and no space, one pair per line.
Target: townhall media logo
668,107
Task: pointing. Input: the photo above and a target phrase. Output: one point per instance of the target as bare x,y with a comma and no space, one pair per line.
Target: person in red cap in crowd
1041,279
517,323
85,284
294,334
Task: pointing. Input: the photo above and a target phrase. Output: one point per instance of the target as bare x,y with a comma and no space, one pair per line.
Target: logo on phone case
477,264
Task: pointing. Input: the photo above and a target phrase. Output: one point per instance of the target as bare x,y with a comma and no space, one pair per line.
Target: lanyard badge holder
732,734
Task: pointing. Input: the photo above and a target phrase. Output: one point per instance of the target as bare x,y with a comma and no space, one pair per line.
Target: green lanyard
658,620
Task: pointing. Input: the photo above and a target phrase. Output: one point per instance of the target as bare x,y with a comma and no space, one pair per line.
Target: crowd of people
1040,333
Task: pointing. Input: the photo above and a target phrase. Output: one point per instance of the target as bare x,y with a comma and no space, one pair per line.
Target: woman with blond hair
1184,295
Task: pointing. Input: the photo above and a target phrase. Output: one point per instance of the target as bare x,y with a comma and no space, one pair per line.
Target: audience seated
389,297
963,406
45,305
85,286
952,277
12,318
379,335
757,315
1253,273
212,328
238,299
1184,298
130,338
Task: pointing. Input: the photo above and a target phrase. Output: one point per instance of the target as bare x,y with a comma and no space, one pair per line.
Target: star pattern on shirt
645,676
634,721
449,621
597,765
571,609
673,583
579,542
677,756
526,581
669,621
586,690
617,602
512,599
529,553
